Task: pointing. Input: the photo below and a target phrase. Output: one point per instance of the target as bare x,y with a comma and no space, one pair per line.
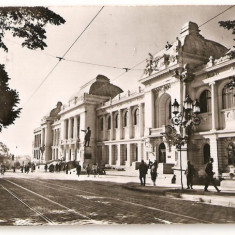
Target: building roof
190,48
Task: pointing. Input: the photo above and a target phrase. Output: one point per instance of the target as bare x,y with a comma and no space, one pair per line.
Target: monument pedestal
86,156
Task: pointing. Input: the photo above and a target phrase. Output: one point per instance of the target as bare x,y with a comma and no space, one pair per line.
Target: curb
213,198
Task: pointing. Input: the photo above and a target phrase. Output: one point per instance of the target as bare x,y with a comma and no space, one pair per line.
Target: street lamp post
185,120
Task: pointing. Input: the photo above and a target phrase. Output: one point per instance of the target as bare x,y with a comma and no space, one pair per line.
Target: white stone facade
127,127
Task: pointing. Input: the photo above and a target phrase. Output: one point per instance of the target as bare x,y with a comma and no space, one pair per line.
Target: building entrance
162,153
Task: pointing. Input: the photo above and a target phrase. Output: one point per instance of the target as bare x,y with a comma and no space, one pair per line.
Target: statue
55,112
168,46
87,137
149,65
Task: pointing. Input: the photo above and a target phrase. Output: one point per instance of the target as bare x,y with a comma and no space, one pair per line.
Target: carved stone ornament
184,74
151,64
231,53
212,74
163,88
187,75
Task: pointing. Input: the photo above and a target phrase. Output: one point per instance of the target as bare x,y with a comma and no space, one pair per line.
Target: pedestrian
78,169
153,172
150,164
143,170
189,175
94,169
88,170
209,176
2,169
67,169
59,167
46,168
56,167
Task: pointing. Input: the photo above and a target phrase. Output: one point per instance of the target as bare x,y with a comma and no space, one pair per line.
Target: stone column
149,109
120,124
54,137
66,154
214,153
82,126
128,157
118,162
75,127
112,126
70,129
104,128
140,152
110,154
214,106
141,120
104,155
63,129
72,154
130,122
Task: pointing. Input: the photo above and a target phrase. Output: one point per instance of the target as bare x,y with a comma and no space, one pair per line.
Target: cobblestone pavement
32,201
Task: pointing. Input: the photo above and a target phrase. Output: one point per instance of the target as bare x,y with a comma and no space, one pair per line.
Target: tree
3,152
29,24
8,101
228,24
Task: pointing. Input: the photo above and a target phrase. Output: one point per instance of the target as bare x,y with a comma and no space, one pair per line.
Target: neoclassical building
127,127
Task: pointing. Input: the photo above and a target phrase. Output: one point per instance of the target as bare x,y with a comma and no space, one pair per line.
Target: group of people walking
189,172
95,169
143,170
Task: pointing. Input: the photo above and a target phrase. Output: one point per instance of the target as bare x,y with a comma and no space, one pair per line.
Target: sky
120,36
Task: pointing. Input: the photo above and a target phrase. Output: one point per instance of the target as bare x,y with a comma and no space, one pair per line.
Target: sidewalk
131,182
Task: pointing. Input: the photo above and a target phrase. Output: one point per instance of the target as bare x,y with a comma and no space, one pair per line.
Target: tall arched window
162,153
206,153
231,154
169,110
136,117
116,121
109,122
228,97
125,119
136,153
205,101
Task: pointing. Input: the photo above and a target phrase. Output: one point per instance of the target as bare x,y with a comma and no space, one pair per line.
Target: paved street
30,200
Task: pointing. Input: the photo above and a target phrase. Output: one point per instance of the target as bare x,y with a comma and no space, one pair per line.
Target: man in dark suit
143,169
78,169
210,173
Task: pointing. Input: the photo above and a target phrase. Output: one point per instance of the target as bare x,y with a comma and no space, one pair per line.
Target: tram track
139,205
49,200
45,218
136,204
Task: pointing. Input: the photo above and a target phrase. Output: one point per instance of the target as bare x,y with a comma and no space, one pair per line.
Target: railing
70,141
122,96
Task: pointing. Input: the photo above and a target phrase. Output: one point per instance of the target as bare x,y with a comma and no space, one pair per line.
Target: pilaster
214,105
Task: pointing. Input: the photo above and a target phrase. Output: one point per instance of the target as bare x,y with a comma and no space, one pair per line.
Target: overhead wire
95,64
60,58
172,42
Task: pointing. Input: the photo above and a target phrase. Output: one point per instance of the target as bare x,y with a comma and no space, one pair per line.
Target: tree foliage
29,24
8,101
228,24
3,149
